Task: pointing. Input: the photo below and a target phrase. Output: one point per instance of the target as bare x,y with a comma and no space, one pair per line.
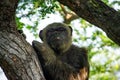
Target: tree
98,13
17,57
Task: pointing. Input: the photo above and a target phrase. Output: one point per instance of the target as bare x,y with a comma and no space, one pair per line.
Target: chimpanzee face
57,37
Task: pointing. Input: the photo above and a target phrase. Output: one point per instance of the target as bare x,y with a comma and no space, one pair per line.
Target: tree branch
98,13
68,15
7,14
17,57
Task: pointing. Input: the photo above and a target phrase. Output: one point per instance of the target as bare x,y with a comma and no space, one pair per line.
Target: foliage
103,54
34,11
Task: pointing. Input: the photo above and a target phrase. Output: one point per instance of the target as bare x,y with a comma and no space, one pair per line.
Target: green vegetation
104,54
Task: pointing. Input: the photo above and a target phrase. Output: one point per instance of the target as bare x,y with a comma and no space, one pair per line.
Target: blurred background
104,54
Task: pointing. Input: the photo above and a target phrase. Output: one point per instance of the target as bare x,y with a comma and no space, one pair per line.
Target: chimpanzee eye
61,29
49,32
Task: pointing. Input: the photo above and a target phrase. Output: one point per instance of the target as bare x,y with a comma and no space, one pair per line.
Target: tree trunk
17,58
98,13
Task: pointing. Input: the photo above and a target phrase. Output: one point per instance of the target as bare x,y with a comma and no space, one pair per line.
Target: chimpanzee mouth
56,44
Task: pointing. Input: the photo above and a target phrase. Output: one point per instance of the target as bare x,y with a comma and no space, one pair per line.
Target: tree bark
98,13
17,57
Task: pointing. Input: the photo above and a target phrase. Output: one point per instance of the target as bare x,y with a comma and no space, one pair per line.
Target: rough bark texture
99,14
17,57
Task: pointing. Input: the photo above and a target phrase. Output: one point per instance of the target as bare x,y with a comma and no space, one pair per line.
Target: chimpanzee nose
58,38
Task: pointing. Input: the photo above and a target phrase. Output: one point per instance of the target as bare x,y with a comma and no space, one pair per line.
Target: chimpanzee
60,59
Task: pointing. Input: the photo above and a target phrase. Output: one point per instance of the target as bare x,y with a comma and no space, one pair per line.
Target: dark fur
59,61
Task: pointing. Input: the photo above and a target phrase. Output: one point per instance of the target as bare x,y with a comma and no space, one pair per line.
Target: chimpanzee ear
40,35
71,29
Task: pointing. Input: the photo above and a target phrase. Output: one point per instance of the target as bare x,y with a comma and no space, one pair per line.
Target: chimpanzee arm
57,69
